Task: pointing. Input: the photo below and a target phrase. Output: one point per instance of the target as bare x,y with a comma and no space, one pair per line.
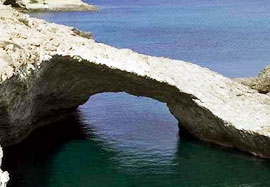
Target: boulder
261,83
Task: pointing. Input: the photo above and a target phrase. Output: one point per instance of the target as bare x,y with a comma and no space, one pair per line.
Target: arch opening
64,83
112,137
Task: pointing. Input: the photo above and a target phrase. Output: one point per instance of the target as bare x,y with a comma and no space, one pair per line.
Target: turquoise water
119,140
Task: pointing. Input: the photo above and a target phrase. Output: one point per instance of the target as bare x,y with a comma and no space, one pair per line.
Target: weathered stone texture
261,83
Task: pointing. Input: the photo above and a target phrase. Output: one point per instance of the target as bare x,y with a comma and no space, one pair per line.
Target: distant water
119,140
228,36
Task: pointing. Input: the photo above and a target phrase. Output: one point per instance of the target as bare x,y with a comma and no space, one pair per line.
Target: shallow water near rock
116,139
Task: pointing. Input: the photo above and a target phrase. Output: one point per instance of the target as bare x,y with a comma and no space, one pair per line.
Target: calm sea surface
119,140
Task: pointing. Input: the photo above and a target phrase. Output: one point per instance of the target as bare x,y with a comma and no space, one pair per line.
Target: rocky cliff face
47,70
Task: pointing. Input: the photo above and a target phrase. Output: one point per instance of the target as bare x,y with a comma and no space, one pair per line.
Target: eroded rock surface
260,83
48,70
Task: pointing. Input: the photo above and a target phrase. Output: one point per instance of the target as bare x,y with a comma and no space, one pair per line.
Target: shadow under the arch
28,161
31,162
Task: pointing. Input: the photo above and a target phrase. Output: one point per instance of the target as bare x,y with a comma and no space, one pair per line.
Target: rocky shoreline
48,70
49,5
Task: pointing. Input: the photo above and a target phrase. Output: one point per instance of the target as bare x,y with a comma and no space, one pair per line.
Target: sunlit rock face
48,70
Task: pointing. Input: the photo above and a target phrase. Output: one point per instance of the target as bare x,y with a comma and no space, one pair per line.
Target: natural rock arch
63,83
47,70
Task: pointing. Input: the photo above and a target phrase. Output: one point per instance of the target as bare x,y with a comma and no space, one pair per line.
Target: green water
119,140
